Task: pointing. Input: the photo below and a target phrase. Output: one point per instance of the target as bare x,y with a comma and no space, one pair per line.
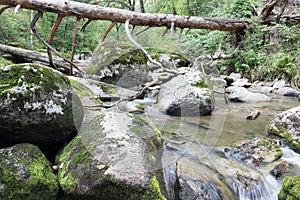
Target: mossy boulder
37,105
286,125
290,189
119,63
114,156
25,173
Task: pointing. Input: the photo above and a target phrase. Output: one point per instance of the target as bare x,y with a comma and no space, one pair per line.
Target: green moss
4,62
108,89
278,155
201,84
140,107
30,177
290,189
135,56
155,191
262,143
29,75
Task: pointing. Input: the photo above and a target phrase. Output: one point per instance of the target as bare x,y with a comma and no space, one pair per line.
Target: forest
150,99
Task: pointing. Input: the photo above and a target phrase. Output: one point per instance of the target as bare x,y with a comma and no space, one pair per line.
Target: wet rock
178,97
280,169
219,84
286,125
255,152
25,173
131,107
290,188
114,156
287,91
241,94
195,181
37,105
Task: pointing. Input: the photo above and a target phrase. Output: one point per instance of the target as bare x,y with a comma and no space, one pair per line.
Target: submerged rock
290,188
241,94
25,173
287,91
287,125
179,97
114,156
37,105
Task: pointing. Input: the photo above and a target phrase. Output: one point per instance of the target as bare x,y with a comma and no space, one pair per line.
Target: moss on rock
290,189
33,97
25,173
101,162
4,62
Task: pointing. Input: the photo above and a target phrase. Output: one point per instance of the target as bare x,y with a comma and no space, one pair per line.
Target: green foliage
290,189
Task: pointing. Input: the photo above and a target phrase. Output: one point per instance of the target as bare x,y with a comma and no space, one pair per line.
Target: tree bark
94,12
43,57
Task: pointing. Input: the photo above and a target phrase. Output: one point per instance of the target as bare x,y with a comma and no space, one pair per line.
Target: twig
32,26
180,35
282,9
51,37
17,8
3,9
145,29
74,43
108,30
139,46
85,25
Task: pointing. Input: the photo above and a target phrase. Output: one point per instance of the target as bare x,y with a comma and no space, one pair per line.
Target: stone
287,125
241,94
279,84
256,152
114,156
287,91
37,105
25,173
179,97
241,82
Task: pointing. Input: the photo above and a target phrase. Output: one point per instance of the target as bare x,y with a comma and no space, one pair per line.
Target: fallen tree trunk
94,12
43,57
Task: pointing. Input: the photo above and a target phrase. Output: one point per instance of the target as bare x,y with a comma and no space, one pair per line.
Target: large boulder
181,97
25,173
241,94
114,156
290,188
119,62
37,105
287,125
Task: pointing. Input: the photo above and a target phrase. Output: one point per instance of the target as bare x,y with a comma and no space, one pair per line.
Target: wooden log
94,12
43,57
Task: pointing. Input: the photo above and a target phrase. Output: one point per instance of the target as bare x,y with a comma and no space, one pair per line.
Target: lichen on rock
33,97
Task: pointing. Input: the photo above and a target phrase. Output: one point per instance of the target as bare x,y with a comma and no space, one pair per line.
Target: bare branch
73,43
51,37
85,25
3,9
32,26
17,8
108,30
143,30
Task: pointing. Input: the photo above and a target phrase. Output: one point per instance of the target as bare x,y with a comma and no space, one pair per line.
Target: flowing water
193,144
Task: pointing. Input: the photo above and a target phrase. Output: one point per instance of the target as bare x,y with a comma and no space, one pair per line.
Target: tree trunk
43,57
94,12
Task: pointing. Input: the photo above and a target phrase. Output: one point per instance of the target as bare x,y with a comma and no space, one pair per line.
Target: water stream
192,149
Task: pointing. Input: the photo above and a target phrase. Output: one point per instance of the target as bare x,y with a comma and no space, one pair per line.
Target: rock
114,156
114,60
37,105
131,107
241,94
255,152
279,170
279,84
286,125
219,84
290,188
241,82
178,97
287,91
195,181
235,76
25,173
